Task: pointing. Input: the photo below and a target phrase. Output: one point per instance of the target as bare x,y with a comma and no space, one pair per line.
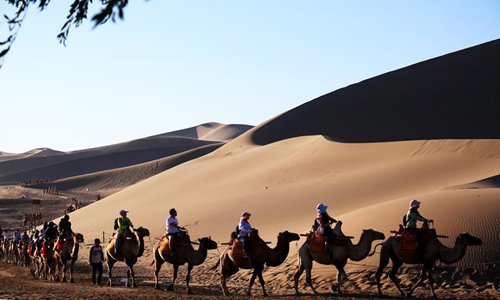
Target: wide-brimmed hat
414,203
321,207
123,212
245,215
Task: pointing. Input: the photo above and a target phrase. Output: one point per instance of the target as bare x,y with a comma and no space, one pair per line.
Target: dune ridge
45,163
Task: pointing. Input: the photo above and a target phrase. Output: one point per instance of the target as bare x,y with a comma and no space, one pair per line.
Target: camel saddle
112,240
164,246
236,248
318,243
412,241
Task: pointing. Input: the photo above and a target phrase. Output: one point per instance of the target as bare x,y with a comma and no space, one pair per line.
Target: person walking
96,258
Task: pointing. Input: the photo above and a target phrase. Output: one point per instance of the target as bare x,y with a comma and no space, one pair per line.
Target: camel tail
216,265
374,248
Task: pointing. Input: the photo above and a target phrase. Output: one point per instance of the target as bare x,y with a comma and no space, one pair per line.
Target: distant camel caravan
259,254
337,250
132,247
428,252
185,253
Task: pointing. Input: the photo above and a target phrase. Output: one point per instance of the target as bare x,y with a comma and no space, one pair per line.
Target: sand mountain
44,163
365,150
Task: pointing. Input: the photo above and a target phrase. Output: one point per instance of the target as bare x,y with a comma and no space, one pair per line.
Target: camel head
289,236
469,239
79,237
208,243
142,232
373,235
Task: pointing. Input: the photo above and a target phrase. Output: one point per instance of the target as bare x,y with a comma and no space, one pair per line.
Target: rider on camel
413,216
173,230
51,232
17,237
244,229
65,227
323,221
122,226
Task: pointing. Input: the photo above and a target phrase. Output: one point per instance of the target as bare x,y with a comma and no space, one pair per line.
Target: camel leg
341,277
308,267
262,283
188,277
396,264
423,276
171,286
254,274
127,283
297,275
384,260
430,272
158,263
111,263
64,269
132,277
223,279
224,276
71,279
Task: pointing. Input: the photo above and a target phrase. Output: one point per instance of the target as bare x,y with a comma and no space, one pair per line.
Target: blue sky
175,64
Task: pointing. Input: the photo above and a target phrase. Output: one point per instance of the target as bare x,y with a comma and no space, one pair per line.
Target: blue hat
123,212
321,207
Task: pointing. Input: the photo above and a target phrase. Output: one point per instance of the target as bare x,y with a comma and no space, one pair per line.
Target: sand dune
44,163
38,152
110,181
71,165
209,131
281,182
454,96
281,169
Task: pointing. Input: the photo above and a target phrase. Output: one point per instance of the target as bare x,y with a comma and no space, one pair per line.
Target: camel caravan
53,250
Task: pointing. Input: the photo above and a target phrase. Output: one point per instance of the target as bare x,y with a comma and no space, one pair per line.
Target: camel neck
141,245
278,254
199,255
452,255
361,249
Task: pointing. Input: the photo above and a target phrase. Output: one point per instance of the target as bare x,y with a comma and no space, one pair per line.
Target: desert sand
429,131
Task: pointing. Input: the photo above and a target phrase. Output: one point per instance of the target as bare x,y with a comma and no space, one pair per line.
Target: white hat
414,203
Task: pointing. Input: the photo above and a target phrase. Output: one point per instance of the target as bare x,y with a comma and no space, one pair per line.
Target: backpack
237,230
404,221
115,225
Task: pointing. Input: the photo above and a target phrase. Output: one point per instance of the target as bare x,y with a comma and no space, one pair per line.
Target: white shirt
245,228
170,228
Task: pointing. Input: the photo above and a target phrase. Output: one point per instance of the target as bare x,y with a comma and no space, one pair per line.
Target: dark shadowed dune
116,179
44,163
140,151
455,96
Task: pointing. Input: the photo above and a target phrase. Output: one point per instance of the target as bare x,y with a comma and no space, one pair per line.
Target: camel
258,255
68,253
336,254
433,251
36,259
185,254
14,250
129,252
48,261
